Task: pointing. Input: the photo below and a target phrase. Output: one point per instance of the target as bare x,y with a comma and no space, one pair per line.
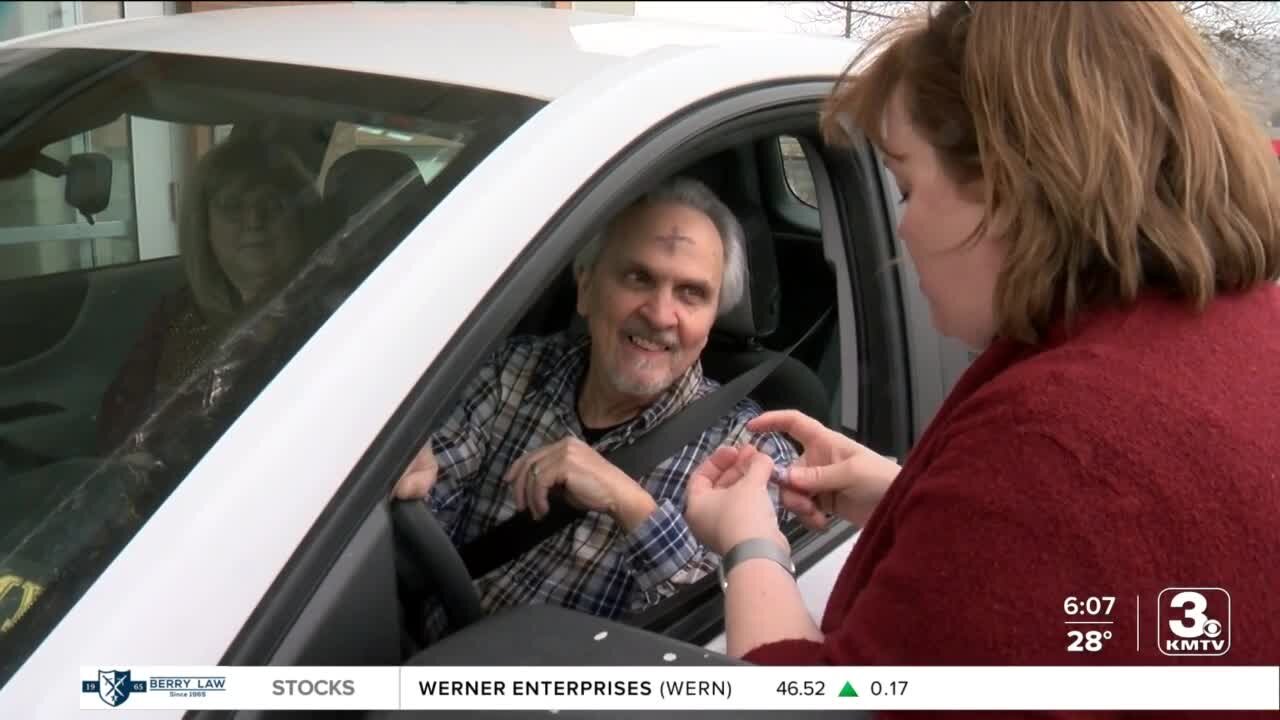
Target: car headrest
357,178
727,174
756,314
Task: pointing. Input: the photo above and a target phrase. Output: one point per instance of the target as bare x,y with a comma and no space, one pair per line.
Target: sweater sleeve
986,546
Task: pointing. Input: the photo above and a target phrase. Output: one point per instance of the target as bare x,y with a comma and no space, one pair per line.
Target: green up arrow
848,691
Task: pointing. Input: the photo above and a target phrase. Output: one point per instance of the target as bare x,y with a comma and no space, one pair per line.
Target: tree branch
1244,36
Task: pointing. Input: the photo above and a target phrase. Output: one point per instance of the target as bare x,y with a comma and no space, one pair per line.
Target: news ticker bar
680,688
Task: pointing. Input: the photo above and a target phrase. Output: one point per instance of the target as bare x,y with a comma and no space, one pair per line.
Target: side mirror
88,183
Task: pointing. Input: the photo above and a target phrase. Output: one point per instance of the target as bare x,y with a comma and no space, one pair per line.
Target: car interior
792,286
790,290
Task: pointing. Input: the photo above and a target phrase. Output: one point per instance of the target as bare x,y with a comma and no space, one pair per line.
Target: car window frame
789,203
782,199
934,362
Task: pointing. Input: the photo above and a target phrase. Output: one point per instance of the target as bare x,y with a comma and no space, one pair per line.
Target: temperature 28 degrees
1088,641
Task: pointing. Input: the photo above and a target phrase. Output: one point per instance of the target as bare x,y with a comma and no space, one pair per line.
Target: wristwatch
754,548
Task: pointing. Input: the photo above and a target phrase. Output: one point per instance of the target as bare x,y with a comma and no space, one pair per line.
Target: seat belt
520,533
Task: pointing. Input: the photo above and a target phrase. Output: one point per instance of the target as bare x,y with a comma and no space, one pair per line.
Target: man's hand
419,478
590,482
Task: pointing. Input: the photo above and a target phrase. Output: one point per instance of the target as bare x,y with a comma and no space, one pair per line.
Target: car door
75,286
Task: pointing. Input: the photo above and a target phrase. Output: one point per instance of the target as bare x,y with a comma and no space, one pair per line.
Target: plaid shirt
525,397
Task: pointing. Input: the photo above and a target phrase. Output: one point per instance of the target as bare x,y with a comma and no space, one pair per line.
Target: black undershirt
589,434
593,435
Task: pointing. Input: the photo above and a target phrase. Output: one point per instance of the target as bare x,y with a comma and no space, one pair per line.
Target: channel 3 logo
1194,621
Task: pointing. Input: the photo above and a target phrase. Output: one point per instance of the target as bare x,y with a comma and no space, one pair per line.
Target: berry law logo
114,686
1194,621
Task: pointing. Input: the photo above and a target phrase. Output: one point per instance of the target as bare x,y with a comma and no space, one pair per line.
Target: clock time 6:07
1074,606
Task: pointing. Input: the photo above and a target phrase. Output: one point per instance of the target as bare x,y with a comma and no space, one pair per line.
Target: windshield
172,229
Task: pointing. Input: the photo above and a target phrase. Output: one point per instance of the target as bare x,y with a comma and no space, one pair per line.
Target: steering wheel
436,560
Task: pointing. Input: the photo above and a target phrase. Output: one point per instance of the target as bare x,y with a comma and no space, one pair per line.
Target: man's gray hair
697,196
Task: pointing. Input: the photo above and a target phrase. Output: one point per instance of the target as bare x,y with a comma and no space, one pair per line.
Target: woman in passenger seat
243,233
1090,206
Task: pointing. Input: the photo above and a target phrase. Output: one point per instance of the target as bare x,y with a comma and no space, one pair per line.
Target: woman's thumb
817,479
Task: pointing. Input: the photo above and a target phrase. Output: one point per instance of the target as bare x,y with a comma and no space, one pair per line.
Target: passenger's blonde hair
1112,156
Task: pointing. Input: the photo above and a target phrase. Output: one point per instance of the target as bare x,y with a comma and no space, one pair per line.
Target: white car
473,150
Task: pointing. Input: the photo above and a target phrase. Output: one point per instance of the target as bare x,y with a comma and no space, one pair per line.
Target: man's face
651,299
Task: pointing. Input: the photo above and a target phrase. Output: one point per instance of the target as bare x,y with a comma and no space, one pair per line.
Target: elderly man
542,410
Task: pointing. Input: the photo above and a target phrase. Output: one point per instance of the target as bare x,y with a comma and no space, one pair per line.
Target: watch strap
751,549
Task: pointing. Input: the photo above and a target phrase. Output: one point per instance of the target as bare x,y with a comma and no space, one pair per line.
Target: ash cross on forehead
673,237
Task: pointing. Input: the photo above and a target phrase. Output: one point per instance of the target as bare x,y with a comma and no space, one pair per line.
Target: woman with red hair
1089,205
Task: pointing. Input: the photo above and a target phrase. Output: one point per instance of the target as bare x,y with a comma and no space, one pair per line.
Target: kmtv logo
1194,621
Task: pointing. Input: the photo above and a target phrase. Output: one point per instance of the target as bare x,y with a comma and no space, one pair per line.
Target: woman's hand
728,500
832,475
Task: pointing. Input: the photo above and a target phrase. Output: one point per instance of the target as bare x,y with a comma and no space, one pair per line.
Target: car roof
536,52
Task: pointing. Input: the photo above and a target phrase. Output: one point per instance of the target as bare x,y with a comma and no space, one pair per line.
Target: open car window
174,228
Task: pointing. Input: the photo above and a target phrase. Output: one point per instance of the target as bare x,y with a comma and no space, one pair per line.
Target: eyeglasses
267,205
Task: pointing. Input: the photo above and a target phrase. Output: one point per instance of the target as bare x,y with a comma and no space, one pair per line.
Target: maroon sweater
1140,451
